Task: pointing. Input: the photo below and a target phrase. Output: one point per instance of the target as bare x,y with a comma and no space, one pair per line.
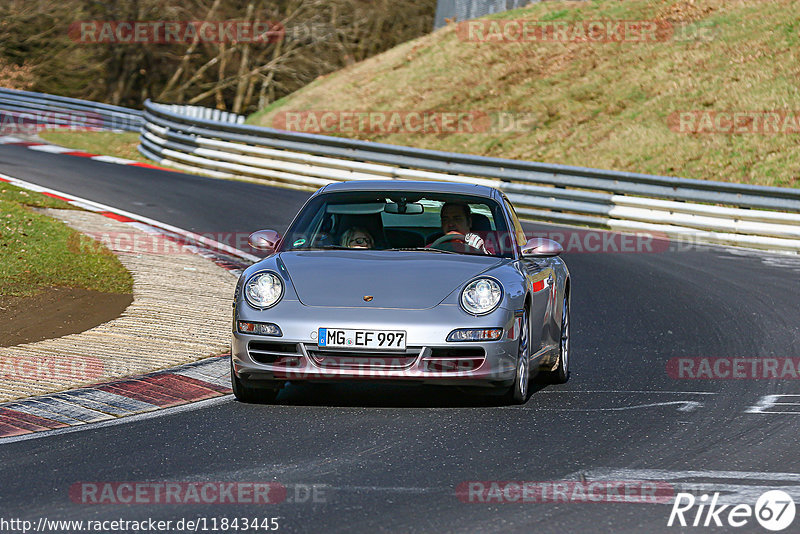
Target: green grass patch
119,144
555,15
17,195
38,252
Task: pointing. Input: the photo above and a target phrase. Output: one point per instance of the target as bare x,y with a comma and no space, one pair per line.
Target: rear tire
249,394
561,373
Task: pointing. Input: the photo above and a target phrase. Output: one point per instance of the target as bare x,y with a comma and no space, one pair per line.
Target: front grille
362,360
271,352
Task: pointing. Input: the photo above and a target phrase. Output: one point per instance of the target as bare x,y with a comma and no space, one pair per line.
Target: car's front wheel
560,374
520,389
249,394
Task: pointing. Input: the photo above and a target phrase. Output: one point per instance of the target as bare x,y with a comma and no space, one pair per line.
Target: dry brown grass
15,76
599,105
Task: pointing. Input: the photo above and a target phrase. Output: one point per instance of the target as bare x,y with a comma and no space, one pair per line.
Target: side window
518,231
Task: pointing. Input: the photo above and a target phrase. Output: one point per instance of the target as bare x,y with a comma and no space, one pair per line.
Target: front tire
249,394
520,389
560,374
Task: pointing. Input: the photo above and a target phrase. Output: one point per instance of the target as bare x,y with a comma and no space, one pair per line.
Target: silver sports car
411,282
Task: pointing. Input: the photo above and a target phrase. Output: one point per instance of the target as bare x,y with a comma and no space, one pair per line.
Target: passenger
457,219
357,237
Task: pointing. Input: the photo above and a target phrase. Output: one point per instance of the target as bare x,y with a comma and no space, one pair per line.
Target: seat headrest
481,223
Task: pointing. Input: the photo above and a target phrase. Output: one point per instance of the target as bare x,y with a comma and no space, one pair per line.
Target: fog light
475,334
259,329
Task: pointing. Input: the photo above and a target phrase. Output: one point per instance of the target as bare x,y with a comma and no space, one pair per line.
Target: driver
457,219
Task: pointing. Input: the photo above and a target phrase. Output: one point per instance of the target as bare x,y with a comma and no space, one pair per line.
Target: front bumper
428,358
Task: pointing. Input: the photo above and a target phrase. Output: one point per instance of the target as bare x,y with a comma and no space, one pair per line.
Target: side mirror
264,240
540,247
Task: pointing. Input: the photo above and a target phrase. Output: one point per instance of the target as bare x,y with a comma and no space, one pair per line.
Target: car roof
410,185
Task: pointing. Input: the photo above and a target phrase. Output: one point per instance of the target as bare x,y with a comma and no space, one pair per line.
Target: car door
541,279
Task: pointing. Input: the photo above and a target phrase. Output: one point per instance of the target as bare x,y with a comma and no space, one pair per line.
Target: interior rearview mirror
410,208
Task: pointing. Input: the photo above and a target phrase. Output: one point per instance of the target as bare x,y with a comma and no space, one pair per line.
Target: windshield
397,220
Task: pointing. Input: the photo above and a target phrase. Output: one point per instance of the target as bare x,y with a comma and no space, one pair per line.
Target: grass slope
38,252
603,105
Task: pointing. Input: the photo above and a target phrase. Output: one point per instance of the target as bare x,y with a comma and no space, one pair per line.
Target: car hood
394,279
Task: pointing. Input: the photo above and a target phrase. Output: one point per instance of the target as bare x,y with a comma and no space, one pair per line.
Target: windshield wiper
341,247
424,249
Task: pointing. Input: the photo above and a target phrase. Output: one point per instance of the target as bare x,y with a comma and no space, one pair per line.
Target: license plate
339,338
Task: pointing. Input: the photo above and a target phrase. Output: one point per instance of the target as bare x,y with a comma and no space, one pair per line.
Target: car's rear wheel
249,394
520,389
560,374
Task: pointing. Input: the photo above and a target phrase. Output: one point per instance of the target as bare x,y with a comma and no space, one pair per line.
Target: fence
714,212
460,10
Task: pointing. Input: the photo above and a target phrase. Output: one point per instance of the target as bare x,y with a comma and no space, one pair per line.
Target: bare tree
319,36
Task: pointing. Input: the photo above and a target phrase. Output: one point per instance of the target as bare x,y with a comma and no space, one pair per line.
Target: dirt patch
56,312
689,10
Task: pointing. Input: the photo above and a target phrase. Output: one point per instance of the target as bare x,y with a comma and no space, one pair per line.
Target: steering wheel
454,243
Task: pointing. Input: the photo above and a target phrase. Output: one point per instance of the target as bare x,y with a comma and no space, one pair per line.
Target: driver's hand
474,240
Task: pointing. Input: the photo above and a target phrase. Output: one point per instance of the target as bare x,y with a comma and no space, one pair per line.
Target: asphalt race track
366,458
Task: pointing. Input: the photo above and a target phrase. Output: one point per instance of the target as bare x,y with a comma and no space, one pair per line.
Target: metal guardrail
695,210
199,112
217,143
26,110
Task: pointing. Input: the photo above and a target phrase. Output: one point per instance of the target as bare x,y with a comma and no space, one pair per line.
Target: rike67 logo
774,510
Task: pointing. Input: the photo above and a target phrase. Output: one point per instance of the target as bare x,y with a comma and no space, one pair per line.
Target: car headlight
263,290
481,296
